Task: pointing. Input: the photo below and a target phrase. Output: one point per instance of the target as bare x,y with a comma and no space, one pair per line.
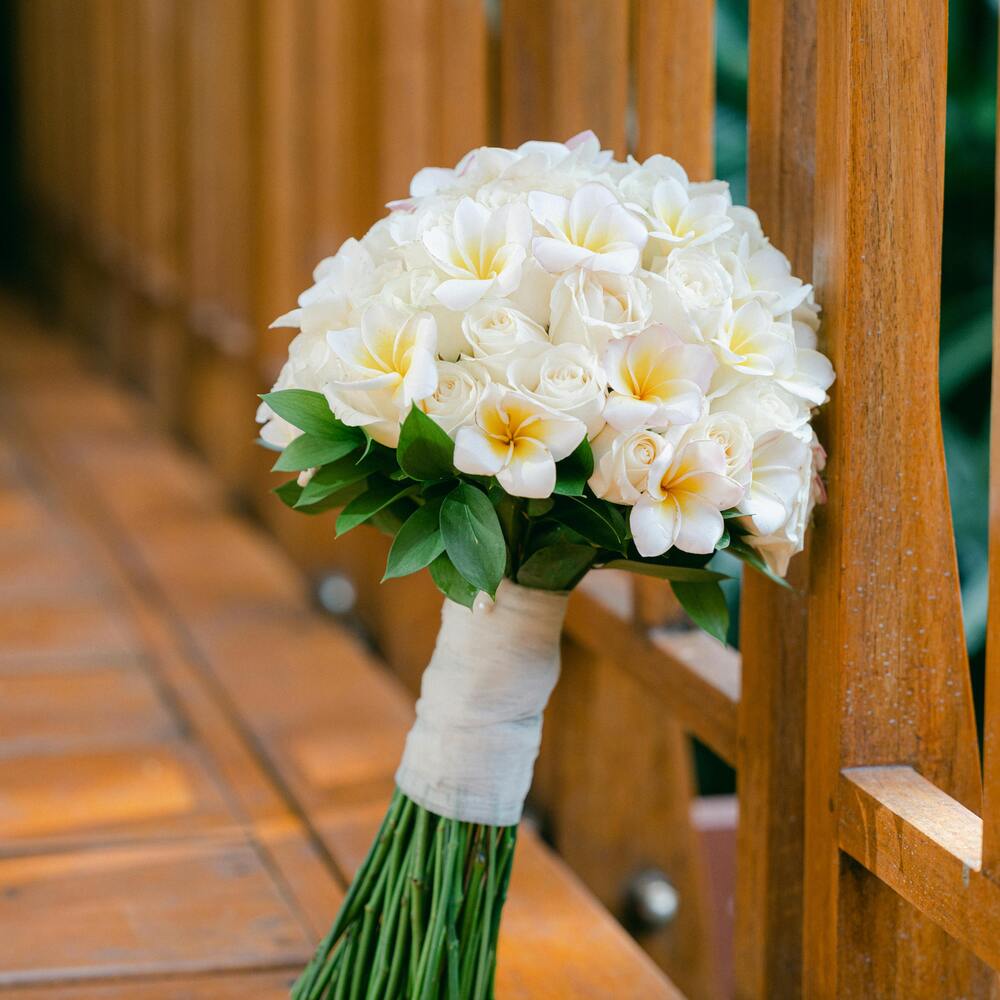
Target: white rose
777,547
781,468
459,389
764,406
594,308
275,430
702,285
567,379
730,432
496,334
622,461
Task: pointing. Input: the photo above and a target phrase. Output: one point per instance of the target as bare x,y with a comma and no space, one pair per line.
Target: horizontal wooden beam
927,847
696,678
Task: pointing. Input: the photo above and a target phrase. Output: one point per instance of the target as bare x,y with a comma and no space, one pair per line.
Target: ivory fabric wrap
471,752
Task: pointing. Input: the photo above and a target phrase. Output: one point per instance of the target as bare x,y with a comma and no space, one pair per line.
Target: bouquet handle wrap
472,750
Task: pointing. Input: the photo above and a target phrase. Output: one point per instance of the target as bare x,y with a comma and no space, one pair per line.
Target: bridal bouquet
543,362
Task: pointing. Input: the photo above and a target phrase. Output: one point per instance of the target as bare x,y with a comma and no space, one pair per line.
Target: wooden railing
187,162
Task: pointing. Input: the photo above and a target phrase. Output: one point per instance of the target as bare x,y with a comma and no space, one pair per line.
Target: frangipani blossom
687,490
384,367
682,220
518,441
751,343
656,380
482,252
592,230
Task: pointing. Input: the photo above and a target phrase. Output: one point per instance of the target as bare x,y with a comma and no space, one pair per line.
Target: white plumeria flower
781,464
687,490
751,343
685,221
392,353
518,441
622,460
656,380
592,230
384,367
482,252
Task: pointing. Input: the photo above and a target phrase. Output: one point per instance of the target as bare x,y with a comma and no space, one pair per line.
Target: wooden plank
462,98
675,82
927,847
204,907
780,168
693,674
991,711
588,65
887,673
265,985
104,795
525,93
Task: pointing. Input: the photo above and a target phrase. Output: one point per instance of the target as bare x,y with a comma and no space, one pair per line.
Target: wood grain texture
291,710
773,621
525,89
888,678
927,847
674,51
588,62
991,712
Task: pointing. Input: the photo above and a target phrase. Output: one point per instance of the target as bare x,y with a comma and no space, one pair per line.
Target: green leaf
379,495
308,452
558,567
307,410
473,538
418,542
451,583
291,493
705,605
573,471
686,574
288,493
331,478
731,513
539,508
599,522
424,450
753,558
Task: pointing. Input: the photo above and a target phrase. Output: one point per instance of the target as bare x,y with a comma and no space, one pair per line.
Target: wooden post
991,741
768,941
887,673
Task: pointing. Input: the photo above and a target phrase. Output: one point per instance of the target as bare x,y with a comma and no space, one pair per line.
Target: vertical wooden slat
887,673
768,939
461,79
991,712
525,98
675,82
588,61
406,86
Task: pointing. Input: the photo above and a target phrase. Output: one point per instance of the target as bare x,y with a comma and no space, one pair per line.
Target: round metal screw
652,900
336,594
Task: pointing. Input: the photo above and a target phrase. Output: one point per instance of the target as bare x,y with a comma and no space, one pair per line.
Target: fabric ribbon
471,752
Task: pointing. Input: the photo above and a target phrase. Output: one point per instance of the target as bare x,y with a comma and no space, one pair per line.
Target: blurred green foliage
966,340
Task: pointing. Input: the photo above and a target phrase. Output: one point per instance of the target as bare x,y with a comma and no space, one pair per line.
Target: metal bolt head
336,594
652,901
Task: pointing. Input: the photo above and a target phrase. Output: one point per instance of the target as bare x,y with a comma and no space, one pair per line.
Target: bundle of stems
421,918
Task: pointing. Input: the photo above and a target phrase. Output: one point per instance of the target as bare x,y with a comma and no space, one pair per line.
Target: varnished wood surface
888,679
192,764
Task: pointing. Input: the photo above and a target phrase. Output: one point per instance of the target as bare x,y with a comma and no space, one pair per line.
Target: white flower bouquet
543,362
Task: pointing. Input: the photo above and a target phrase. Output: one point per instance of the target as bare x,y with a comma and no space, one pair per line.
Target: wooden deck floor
191,759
